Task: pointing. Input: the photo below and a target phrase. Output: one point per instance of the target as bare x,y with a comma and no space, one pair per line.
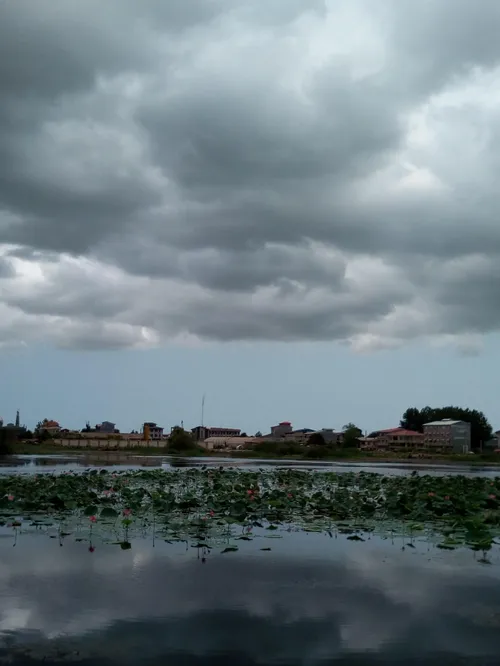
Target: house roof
443,422
390,429
50,424
403,431
398,431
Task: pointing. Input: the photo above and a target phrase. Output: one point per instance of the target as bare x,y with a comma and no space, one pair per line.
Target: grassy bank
267,453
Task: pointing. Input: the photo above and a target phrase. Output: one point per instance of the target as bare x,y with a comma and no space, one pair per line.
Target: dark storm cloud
242,154
265,137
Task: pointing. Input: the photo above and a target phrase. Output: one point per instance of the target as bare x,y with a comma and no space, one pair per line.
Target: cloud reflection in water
308,601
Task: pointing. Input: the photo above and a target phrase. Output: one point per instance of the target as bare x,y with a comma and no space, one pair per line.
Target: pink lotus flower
91,549
289,495
431,494
250,492
212,513
127,512
93,519
447,497
492,496
10,498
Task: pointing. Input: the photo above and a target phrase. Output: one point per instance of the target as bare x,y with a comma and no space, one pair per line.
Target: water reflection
310,600
115,461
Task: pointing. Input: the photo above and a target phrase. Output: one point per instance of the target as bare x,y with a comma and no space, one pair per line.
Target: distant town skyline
251,387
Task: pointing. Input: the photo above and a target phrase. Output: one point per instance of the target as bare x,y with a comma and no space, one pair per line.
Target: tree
7,441
351,435
481,430
180,440
316,439
258,433
243,434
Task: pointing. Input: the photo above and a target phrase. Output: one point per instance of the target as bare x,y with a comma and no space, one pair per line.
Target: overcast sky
291,204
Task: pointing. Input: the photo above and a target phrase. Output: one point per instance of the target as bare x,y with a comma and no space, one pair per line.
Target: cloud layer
239,170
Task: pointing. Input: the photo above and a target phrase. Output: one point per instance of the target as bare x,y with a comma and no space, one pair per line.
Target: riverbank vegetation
271,451
459,510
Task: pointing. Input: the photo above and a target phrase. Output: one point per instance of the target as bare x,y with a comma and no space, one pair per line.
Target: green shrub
270,447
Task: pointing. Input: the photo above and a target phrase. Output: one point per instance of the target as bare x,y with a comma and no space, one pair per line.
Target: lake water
309,600
111,461
285,597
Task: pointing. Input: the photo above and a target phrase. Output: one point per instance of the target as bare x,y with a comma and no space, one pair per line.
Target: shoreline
342,457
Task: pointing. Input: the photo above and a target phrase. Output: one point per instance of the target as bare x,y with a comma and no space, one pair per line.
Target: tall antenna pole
202,410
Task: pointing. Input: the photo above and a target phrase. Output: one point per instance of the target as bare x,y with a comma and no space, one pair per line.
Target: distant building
300,436
201,433
393,439
448,435
50,426
152,431
331,436
282,429
233,443
106,426
401,438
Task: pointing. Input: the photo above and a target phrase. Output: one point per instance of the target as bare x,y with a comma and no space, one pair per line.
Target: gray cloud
322,170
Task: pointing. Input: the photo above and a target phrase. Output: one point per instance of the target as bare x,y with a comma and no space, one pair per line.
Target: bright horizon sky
251,387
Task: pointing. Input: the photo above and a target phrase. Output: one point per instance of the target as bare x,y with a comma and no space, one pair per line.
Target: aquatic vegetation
203,504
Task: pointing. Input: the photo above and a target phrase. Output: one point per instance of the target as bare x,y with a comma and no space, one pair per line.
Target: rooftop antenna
202,410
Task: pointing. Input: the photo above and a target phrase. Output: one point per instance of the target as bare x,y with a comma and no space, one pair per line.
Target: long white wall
105,443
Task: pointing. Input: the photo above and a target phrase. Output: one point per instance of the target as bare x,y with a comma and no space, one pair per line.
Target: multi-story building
106,426
282,429
201,433
448,435
152,431
393,439
400,438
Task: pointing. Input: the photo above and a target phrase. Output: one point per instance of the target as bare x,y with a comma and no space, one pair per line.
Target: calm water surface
113,461
311,600
307,598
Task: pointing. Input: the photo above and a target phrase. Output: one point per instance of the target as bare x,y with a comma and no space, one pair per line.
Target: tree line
481,430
